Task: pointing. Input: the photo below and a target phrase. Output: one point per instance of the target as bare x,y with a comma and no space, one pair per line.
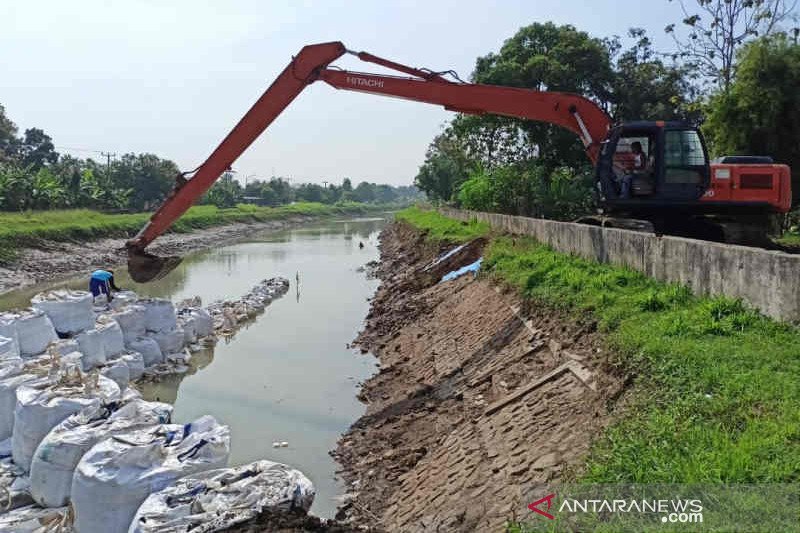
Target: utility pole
108,156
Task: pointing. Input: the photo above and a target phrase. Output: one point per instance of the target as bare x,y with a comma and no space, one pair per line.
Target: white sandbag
149,349
58,454
93,348
203,324
117,371
111,333
8,329
179,358
38,410
65,346
135,362
34,519
187,323
117,474
159,314
69,311
70,362
8,398
11,366
8,347
122,299
215,500
131,322
34,333
169,341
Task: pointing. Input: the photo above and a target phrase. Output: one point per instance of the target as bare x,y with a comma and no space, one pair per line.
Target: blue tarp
474,267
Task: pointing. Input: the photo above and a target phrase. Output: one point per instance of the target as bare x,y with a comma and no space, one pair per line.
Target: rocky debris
479,396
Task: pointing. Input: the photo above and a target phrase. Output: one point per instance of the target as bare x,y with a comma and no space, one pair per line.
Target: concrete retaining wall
768,280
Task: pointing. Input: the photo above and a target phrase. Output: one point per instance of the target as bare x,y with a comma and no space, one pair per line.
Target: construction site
579,314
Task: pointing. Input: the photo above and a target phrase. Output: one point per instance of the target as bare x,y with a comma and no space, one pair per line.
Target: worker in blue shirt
102,282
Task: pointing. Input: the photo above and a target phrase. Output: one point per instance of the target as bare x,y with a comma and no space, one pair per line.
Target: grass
789,239
18,230
716,394
443,228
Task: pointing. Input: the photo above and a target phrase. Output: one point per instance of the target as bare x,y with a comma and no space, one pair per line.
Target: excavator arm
570,111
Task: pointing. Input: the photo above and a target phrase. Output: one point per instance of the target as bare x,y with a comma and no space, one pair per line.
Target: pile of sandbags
228,315
117,474
41,407
58,454
215,500
69,311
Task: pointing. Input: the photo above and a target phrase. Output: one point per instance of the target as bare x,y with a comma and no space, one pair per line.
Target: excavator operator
639,165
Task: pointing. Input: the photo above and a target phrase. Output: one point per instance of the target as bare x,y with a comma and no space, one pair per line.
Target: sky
173,77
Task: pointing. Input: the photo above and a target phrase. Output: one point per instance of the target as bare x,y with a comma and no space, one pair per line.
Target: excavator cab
664,163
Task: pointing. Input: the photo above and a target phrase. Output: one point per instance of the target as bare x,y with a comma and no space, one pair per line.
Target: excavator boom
570,111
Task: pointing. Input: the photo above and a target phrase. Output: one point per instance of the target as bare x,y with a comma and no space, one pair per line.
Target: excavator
675,191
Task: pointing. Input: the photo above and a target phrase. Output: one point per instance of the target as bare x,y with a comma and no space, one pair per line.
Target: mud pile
479,397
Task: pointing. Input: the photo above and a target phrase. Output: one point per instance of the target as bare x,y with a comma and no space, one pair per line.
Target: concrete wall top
768,280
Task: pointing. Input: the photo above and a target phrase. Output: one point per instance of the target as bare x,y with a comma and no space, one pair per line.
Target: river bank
56,258
480,396
549,368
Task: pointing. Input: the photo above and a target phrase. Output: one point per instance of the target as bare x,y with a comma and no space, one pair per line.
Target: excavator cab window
672,169
684,157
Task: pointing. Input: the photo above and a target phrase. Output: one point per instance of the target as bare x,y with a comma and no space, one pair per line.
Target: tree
8,135
365,192
643,87
446,166
760,113
719,28
148,177
37,149
547,57
226,192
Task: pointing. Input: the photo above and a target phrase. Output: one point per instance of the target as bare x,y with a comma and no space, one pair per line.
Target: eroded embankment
479,396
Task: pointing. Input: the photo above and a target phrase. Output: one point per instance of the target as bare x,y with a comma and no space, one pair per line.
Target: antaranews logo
535,506
672,511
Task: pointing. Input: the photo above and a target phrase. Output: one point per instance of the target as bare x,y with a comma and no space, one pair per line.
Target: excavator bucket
144,267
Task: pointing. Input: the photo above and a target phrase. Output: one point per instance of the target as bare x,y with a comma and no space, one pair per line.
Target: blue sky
172,77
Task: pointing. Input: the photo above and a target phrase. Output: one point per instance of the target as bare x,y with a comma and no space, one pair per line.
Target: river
290,375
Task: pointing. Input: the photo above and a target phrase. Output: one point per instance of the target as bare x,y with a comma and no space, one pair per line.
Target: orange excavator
671,186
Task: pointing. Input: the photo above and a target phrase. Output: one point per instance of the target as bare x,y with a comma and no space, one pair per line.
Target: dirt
480,397
291,522
55,260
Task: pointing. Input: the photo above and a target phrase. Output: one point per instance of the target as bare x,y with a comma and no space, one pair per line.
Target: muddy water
289,375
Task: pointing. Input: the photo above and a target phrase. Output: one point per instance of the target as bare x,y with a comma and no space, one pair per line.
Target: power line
72,148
